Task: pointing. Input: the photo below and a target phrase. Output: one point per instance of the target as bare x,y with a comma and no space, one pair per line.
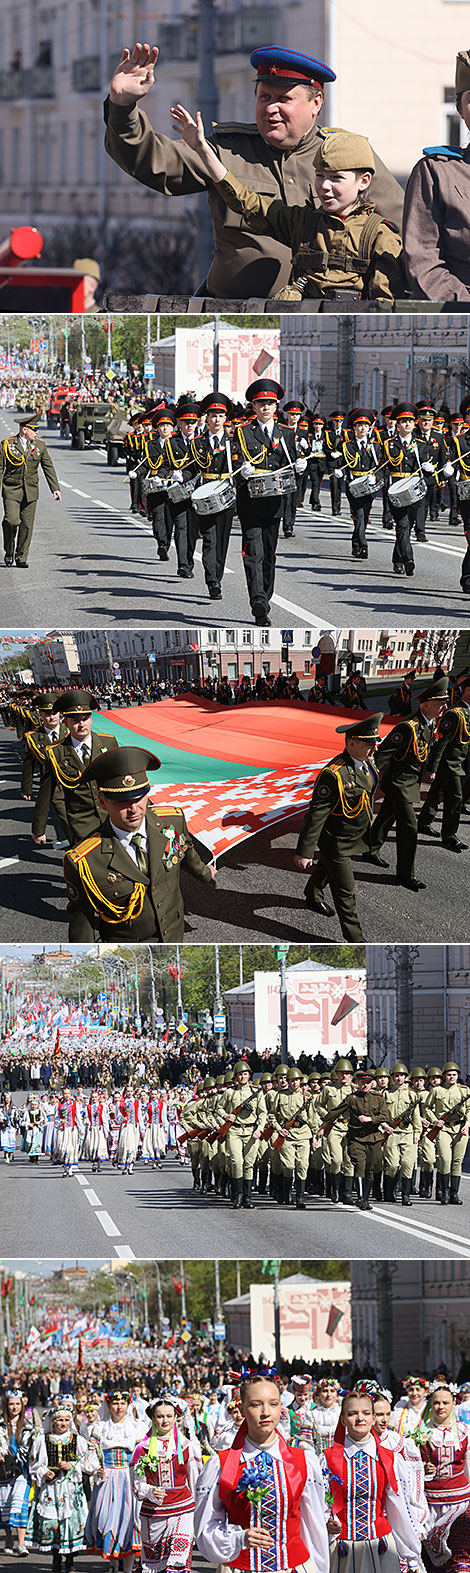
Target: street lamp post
218,1001
281,952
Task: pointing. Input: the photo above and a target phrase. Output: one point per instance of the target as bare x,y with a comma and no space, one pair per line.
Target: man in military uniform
366,1116
448,1108
292,413
191,1118
125,879
404,1129
293,1126
401,698
264,1150
156,465
245,1111
403,460
426,1149
75,800
275,155
211,452
402,759
435,219
257,449
20,458
338,822
386,430
448,761
334,434
49,729
316,461
181,467
339,1169
352,692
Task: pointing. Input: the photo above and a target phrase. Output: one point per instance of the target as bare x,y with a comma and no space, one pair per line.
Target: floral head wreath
374,1389
416,1381
246,1372
452,1387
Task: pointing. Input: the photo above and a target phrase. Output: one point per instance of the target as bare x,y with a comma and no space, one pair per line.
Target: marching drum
463,488
364,485
213,497
271,484
152,483
407,491
180,491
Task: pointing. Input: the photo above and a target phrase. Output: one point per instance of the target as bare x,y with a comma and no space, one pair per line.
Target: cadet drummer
125,880
338,822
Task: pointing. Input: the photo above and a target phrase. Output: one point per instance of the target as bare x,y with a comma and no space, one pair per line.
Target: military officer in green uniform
448,760
448,1107
49,729
294,1121
404,1130
366,1116
245,1111
20,458
401,697
339,1169
338,822
75,800
275,156
402,758
125,879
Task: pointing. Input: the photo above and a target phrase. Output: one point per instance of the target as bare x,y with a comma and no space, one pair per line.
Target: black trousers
448,785
404,519
259,542
162,523
315,472
186,527
335,492
360,513
465,570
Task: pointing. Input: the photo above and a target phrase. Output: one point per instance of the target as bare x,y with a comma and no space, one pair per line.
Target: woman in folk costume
407,1413
8,1124
260,1504
166,1466
327,1408
17,1433
57,1516
95,1144
69,1132
408,1463
445,1452
370,1524
110,1529
48,1108
298,1423
32,1124
155,1113
131,1130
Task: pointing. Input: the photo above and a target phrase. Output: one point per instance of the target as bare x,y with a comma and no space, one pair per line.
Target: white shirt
125,837
268,428
79,747
219,1541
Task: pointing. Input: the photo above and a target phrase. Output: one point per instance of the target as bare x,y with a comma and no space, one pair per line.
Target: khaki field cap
462,71
343,150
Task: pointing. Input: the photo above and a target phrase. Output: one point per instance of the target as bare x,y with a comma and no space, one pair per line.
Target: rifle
433,1130
223,1130
279,1142
404,1116
327,1125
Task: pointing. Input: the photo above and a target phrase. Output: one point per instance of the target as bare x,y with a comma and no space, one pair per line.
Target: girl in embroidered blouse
260,1504
165,1469
445,1453
370,1523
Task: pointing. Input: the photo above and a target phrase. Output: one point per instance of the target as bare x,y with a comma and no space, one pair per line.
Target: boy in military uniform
339,1169
245,1111
63,782
360,459
125,879
49,729
402,759
211,452
338,822
448,761
20,458
292,415
258,448
433,456
293,1124
156,464
316,461
335,432
342,249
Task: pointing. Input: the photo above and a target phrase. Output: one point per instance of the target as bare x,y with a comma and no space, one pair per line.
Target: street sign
43,344
152,657
315,653
287,636
123,367
220,1022
185,1337
281,950
149,369
219,1330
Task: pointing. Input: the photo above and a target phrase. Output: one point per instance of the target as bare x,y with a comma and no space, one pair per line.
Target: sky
45,1266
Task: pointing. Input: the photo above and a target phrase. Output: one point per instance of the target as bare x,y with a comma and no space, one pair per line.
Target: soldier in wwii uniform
436,216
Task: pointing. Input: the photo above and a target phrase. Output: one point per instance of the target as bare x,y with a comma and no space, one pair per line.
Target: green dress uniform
404,753
36,746
243,265
107,890
249,1107
451,1104
76,801
19,479
449,760
367,1113
400,1148
338,822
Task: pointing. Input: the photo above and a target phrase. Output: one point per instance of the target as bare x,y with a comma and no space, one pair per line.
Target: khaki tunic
295,1151
436,228
334,1146
451,1144
242,1145
243,264
400,1148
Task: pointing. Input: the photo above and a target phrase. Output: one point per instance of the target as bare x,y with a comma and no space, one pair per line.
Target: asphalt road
258,894
96,565
156,1213
83,1562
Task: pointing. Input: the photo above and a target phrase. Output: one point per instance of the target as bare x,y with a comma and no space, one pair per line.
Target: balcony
236,33
86,76
36,82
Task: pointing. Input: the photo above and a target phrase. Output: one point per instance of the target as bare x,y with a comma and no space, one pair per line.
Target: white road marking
82,1180
291,606
432,1228
7,862
92,1198
417,1232
125,1253
107,1224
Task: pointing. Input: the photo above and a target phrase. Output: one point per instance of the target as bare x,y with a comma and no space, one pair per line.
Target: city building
373,358
314,993
55,659
386,652
173,653
418,1004
411,1316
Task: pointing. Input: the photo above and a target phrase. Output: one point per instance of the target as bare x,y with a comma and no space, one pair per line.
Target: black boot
299,1195
429,1185
237,1194
438,1186
347,1197
196,1179
414,1189
341,1179
445,1187
320,1182
397,1186
423,1182
288,1178
334,1197
367,1191
406,1192
360,1186
377,1187
456,1200
247,1202
218,1182
279,1191
389,1185
262,1181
